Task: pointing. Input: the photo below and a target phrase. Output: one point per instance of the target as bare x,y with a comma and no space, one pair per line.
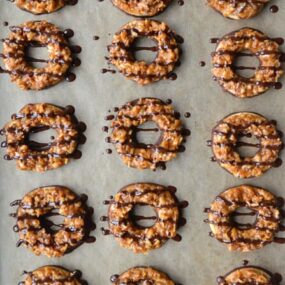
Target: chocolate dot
68,33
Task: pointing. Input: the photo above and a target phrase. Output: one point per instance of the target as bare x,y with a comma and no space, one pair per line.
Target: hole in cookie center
36,55
247,145
245,64
144,49
143,216
147,133
52,221
40,138
244,217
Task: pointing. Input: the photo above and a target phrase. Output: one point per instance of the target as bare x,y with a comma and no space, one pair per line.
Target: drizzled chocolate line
252,213
74,155
238,54
72,243
19,130
235,67
240,144
157,191
37,150
82,198
248,81
139,218
250,2
181,205
240,130
68,33
275,163
116,124
67,2
130,50
59,60
277,202
30,73
279,41
138,238
40,32
234,132
76,274
75,49
47,225
114,279
145,116
240,225
274,279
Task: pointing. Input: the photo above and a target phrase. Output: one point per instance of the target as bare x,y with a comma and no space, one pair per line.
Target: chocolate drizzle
24,225
133,141
274,9
73,276
133,218
279,41
241,131
42,150
228,220
272,72
273,278
23,44
130,51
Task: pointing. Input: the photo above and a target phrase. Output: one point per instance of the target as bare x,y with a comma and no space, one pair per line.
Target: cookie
142,275
238,9
244,237
147,156
123,222
43,236
40,157
50,274
121,51
257,44
142,8
226,140
40,34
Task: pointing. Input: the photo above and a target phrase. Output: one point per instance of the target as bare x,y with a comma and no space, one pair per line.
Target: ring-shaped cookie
142,8
249,274
258,44
36,231
135,113
143,239
122,56
142,274
43,7
36,33
245,237
30,155
225,140
51,274
237,10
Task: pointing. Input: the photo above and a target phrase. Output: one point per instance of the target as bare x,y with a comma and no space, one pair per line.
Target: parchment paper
198,259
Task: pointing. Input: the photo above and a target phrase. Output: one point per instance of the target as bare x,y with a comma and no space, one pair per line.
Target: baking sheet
198,259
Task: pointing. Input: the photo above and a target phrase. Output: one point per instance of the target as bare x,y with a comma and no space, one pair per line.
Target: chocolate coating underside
121,54
239,237
257,44
238,9
39,33
38,117
137,112
143,239
225,139
35,230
